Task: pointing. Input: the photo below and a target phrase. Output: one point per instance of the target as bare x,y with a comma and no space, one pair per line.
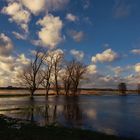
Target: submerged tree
66,78
72,111
76,71
46,73
122,88
31,76
57,66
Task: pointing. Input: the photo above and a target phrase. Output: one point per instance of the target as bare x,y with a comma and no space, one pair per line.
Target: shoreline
40,95
43,95
17,129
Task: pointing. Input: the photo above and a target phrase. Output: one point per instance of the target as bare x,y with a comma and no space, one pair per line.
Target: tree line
49,69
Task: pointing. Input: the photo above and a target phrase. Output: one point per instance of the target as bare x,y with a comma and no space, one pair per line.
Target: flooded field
115,115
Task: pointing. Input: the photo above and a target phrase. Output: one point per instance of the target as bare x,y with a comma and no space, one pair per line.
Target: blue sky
105,35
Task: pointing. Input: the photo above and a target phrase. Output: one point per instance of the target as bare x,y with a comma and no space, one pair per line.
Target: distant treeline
90,89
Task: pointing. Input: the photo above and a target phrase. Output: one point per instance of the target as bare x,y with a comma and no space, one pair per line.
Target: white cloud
6,45
56,53
92,69
10,68
50,33
19,36
99,79
17,14
117,70
137,67
36,42
22,59
79,55
35,6
136,51
107,56
6,63
77,36
56,4
71,17
20,10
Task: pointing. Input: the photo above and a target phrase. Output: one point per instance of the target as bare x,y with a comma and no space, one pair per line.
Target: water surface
115,115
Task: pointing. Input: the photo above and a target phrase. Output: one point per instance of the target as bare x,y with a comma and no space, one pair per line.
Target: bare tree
66,78
76,71
31,76
57,61
122,88
46,73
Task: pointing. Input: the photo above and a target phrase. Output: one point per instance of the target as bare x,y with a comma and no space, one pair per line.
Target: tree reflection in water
50,112
30,111
68,112
72,111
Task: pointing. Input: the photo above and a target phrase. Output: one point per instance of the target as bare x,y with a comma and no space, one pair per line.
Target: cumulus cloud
77,36
107,56
22,59
11,66
71,17
137,67
50,33
91,69
136,51
56,4
6,45
35,6
79,55
20,10
6,63
117,70
100,79
56,52
17,14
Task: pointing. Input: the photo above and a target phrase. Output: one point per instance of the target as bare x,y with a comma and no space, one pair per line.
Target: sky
103,34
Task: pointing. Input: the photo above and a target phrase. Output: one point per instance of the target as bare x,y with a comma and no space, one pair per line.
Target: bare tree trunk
56,86
47,90
32,94
67,92
75,88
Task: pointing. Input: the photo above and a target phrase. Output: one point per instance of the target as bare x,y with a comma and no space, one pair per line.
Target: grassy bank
13,129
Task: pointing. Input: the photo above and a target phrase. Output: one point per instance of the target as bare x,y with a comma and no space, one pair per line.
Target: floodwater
117,115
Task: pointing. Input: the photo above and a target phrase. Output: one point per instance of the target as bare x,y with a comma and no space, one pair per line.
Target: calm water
109,114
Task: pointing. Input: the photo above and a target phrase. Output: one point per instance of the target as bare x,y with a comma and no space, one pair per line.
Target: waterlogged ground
115,115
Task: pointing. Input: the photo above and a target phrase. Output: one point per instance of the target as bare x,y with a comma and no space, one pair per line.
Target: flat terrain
4,92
